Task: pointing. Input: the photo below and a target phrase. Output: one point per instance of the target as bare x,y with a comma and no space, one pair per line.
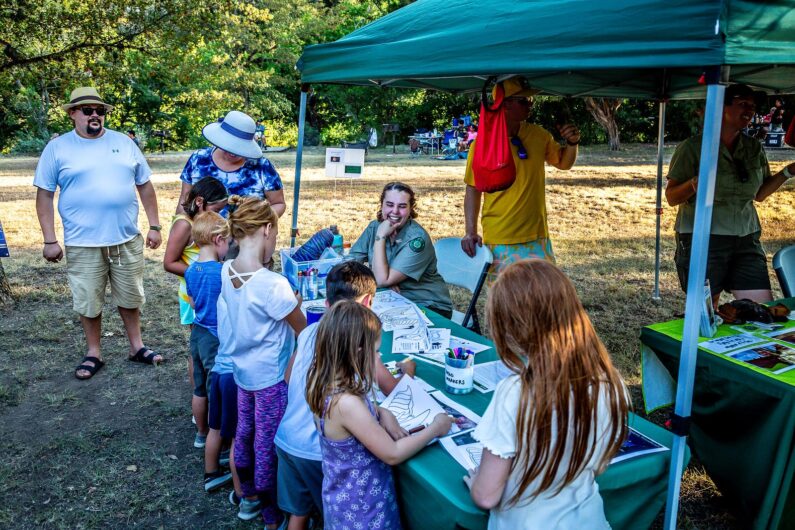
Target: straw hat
516,86
234,134
84,95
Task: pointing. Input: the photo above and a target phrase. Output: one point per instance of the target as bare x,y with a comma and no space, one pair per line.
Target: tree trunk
6,296
604,112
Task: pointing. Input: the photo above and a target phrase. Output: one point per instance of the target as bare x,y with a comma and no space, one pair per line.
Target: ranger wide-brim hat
515,87
85,95
234,134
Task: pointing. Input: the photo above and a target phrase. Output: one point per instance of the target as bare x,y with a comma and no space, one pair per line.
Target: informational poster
344,163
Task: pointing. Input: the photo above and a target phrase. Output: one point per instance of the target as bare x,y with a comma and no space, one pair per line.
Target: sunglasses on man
88,111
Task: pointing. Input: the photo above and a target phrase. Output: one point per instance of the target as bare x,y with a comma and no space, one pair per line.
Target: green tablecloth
433,494
743,427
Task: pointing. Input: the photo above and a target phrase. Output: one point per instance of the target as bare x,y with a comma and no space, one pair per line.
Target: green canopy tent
652,49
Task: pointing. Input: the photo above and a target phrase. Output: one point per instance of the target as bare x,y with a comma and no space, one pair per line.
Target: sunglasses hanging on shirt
522,152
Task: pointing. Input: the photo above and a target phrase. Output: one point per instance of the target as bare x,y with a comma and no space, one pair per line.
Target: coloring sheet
487,375
463,418
439,339
412,339
464,448
411,405
458,342
396,311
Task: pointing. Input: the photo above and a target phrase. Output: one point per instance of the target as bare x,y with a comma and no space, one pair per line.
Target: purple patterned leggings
258,416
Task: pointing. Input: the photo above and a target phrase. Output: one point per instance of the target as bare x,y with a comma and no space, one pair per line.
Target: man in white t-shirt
98,171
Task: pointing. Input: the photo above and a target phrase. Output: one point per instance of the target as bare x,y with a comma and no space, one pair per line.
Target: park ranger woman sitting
400,252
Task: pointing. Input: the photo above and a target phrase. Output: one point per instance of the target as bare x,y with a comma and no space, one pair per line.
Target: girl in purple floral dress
358,440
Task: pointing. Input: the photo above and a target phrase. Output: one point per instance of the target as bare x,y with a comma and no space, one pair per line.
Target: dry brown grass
602,226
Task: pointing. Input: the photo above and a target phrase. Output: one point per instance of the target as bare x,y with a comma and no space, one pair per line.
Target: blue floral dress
358,490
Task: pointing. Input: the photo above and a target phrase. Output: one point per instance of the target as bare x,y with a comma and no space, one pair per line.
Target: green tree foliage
175,65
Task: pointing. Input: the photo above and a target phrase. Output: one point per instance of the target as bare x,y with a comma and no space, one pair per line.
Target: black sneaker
213,481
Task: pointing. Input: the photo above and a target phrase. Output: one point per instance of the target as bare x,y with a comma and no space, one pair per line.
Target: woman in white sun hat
236,160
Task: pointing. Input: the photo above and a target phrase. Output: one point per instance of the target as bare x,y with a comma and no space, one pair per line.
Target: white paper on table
436,359
464,448
463,418
395,371
411,405
413,339
487,375
396,311
729,343
475,347
439,339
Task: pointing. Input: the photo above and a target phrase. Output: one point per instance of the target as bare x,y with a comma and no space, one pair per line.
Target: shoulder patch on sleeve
417,244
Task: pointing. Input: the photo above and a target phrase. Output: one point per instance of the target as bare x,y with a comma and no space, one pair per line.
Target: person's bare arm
385,276
568,153
774,182
183,196
386,381
471,238
46,214
276,200
677,193
178,239
149,201
296,319
487,482
357,420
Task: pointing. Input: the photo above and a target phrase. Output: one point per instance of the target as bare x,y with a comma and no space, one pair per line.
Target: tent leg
299,155
659,210
695,284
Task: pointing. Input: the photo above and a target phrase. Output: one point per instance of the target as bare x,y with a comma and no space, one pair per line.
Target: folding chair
784,265
470,273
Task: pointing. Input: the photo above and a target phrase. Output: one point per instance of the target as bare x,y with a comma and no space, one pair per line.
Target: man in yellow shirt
515,220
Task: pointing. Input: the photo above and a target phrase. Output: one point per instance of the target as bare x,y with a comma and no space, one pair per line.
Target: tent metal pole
299,155
659,210
694,305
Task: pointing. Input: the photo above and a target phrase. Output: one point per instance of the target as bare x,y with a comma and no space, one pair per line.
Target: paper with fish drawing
397,311
464,448
411,405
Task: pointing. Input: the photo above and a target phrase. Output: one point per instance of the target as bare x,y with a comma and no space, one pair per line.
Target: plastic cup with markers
459,370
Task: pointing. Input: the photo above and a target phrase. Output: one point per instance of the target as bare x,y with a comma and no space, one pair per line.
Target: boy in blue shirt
203,283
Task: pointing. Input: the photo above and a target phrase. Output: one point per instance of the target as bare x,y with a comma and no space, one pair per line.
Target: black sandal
98,364
141,356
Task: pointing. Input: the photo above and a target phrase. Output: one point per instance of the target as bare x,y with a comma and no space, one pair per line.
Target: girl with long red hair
554,424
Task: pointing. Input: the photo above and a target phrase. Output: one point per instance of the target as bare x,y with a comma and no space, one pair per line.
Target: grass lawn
116,451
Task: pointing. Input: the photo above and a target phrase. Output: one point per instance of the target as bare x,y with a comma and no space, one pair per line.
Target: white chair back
456,267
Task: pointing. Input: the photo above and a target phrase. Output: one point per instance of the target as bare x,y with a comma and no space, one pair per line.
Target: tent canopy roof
613,48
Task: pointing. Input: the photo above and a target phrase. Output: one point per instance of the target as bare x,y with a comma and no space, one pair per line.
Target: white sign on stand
344,163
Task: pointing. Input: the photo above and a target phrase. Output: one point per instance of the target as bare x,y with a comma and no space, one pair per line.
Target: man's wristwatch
156,228
786,172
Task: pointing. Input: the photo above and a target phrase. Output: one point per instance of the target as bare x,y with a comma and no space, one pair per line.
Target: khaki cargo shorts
90,268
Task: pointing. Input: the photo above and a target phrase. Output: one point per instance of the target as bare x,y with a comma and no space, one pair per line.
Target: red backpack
492,162
789,138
